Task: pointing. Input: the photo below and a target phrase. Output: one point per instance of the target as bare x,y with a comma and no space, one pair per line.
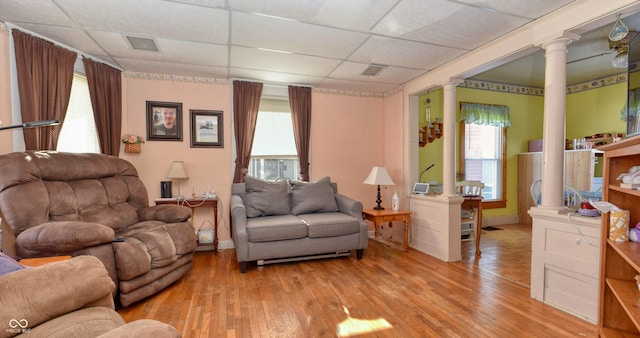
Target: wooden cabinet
579,166
619,314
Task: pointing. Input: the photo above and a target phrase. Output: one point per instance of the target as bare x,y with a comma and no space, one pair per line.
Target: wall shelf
430,133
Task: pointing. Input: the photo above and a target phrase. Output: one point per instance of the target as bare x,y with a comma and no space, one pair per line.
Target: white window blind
78,133
274,154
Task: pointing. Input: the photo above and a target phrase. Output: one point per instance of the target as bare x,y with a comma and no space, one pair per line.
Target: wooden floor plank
416,295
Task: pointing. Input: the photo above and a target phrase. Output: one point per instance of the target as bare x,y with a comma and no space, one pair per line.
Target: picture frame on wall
164,121
206,128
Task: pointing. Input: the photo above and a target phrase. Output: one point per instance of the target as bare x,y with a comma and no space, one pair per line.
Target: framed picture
206,128
164,121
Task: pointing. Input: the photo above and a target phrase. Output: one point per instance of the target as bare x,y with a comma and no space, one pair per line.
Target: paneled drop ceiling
320,43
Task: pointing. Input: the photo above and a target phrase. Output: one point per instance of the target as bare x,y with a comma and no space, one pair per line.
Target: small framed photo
164,121
206,128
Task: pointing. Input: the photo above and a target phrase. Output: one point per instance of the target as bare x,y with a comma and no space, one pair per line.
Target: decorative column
449,137
553,134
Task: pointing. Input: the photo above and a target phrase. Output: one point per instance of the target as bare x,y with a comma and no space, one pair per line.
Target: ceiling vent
373,70
142,43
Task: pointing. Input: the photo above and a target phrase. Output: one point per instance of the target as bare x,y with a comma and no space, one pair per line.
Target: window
78,133
273,154
483,156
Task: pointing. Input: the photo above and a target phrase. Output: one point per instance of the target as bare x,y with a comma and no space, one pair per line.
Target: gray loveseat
274,221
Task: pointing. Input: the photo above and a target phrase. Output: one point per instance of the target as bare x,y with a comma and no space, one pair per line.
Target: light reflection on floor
354,326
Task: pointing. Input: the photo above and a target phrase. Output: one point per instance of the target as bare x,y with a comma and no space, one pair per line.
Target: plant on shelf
132,143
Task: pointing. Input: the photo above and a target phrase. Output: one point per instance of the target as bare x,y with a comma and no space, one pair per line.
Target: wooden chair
469,217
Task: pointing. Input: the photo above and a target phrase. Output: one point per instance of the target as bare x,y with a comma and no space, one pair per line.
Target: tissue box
619,225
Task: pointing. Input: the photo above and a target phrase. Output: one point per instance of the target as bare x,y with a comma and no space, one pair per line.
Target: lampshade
379,176
177,170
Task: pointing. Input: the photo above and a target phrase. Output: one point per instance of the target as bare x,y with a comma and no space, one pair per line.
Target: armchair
55,300
92,204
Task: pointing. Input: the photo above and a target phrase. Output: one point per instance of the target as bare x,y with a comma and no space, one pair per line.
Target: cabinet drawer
583,245
392,218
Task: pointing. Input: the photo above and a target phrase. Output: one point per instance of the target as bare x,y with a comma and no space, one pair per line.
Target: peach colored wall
6,145
207,167
347,140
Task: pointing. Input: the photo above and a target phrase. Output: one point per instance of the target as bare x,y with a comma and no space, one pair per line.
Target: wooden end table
388,215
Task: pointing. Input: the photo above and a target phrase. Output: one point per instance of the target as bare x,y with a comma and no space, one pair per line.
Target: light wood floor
389,293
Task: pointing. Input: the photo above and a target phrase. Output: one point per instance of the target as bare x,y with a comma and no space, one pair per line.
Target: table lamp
379,176
177,171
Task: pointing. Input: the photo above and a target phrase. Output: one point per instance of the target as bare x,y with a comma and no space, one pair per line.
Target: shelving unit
619,314
430,133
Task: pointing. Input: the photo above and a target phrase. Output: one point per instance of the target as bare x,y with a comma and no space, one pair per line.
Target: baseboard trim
499,220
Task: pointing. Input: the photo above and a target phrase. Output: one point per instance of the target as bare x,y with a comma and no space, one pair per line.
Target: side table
197,202
388,215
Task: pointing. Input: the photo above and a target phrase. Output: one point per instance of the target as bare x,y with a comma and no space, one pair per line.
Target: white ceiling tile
250,58
356,86
43,12
169,50
352,71
172,68
207,3
529,9
275,77
359,15
452,25
168,19
251,30
403,53
331,41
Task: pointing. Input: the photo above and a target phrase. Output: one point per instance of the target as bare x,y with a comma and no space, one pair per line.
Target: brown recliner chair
93,204
54,300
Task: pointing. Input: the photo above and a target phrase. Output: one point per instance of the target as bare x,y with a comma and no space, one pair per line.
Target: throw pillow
8,264
266,198
312,197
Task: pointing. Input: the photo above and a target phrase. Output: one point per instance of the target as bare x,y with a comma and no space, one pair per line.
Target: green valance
485,114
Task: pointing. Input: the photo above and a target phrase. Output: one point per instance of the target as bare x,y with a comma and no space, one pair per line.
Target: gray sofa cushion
330,224
275,228
313,197
266,198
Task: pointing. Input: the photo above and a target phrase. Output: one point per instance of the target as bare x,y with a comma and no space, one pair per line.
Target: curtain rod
12,26
485,104
271,84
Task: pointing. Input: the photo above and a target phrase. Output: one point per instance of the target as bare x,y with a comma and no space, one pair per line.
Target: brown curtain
45,75
300,102
246,101
105,89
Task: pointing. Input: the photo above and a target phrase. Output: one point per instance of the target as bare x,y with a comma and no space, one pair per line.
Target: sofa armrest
40,294
349,206
64,236
143,328
168,213
239,228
